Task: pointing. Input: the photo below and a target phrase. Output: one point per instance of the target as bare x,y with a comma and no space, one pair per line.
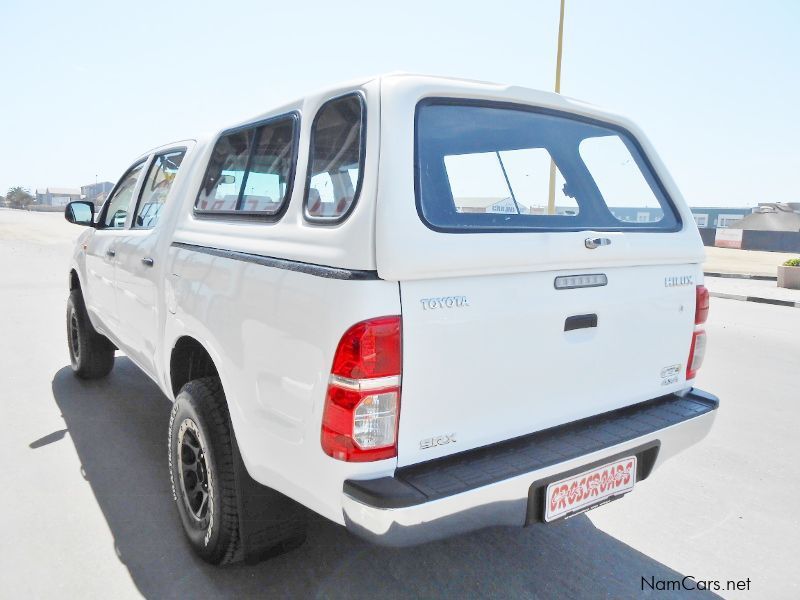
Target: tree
19,197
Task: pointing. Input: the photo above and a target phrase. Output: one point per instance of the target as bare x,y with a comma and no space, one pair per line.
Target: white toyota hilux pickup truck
417,306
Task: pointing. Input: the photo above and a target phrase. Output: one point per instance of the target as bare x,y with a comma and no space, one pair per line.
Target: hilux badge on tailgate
678,280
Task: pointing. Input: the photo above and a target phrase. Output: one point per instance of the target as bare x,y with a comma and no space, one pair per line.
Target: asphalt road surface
87,507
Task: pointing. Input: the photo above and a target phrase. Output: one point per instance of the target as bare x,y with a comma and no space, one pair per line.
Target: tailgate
493,357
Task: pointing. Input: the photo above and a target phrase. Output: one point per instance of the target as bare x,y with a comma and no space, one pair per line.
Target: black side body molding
465,471
283,263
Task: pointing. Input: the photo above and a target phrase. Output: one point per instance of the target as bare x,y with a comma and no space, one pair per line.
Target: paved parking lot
764,291
751,262
88,510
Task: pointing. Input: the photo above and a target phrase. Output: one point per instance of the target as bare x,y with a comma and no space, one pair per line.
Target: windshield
484,167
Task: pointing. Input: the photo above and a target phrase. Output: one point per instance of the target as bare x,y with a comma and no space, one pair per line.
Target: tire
91,354
203,464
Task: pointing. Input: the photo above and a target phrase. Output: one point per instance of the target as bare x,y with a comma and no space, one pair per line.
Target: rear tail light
696,354
362,405
701,305
697,350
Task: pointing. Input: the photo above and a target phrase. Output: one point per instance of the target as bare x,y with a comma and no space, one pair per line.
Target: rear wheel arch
189,360
74,280
256,521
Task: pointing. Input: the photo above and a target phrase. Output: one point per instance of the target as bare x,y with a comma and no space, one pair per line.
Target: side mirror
80,213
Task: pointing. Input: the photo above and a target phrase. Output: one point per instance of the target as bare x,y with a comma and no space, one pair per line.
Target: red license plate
579,493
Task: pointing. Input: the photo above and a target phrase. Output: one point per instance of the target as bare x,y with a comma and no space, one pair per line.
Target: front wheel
91,354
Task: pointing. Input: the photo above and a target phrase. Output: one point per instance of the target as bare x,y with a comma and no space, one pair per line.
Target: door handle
111,252
580,322
593,243
147,261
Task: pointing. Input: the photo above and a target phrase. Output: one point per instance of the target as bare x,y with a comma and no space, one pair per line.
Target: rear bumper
504,484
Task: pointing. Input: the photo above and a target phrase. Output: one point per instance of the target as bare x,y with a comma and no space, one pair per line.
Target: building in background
55,196
96,192
711,217
637,214
714,217
769,216
706,218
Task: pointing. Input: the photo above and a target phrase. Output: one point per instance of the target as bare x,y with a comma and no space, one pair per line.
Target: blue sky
87,86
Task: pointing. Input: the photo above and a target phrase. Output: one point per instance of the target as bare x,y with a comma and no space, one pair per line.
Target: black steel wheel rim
195,478
73,334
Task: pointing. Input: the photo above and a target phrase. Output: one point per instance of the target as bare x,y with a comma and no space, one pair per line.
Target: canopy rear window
499,167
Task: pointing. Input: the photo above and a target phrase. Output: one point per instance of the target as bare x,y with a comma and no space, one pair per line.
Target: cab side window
336,159
117,206
156,188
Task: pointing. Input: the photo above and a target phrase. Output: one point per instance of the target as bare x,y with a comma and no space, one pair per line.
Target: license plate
589,489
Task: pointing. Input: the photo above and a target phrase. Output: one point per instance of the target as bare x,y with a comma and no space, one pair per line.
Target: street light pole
560,48
551,197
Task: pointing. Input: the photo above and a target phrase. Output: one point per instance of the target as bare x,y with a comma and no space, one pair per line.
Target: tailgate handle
580,322
593,243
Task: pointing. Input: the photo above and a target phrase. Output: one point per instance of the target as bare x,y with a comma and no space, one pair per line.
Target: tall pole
551,198
560,48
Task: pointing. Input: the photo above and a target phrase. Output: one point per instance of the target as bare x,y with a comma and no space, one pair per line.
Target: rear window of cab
484,167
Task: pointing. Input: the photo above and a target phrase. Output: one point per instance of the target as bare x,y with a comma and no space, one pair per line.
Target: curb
756,299
741,276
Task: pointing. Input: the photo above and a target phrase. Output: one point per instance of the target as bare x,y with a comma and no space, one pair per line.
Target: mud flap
269,522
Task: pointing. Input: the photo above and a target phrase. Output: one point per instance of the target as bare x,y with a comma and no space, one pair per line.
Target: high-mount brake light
362,404
570,282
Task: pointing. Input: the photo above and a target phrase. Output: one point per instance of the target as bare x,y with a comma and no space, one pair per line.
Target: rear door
139,271
549,276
